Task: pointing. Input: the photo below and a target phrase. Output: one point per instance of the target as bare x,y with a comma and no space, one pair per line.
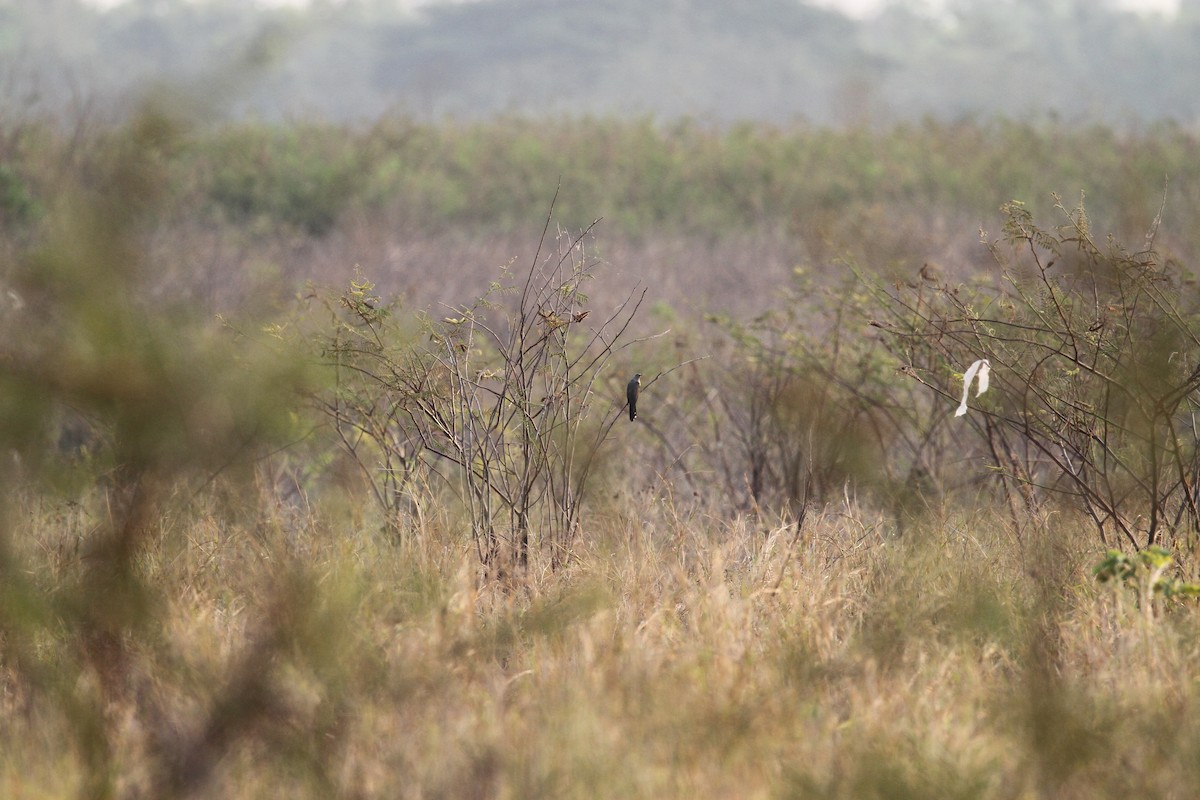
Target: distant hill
771,60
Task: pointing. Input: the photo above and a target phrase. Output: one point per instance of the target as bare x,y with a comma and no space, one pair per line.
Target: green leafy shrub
1147,573
299,177
838,189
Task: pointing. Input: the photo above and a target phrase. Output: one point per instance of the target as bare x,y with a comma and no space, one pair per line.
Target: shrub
1094,368
508,401
1148,574
303,178
179,403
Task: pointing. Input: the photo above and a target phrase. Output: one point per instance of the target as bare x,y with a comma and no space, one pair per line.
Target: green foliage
881,198
17,206
296,177
1147,573
832,189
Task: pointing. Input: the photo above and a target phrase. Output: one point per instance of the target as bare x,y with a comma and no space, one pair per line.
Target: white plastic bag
982,368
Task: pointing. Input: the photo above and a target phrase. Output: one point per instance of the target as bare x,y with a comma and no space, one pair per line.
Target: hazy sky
856,7
866,6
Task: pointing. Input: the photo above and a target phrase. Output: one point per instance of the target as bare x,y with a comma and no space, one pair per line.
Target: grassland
676,657
199,596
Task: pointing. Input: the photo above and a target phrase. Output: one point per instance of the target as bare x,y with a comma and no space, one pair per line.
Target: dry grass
157,644
676,657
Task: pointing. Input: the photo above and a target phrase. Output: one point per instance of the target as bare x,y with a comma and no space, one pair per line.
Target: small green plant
1147,572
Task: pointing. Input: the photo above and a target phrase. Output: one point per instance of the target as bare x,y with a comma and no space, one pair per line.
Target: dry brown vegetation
795,576
676,657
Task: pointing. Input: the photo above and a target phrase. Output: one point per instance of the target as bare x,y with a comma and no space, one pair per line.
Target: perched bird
631,394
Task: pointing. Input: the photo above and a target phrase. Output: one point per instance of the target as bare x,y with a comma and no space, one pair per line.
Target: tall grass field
318,480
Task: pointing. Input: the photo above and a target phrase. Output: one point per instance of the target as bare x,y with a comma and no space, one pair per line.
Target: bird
631,394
